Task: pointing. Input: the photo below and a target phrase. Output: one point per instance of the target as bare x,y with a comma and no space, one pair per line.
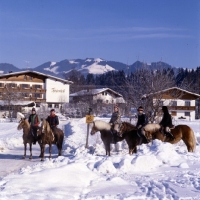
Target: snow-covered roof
38,73
94,92
184,94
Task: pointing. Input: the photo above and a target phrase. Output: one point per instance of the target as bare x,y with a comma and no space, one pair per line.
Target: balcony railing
30,90
181,107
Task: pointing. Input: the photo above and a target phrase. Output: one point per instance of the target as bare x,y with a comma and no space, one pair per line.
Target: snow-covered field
158,171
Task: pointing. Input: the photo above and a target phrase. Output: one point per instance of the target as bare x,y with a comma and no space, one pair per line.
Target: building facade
180,103
34,88
104,96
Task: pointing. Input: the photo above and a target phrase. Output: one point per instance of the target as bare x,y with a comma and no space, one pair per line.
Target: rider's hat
164,109
116,106
140,108
52,110
33,109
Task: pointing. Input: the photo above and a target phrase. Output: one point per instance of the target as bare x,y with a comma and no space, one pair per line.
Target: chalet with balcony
103,95
33,88
180,103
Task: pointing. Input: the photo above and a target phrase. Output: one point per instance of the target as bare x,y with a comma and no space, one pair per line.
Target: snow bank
158,171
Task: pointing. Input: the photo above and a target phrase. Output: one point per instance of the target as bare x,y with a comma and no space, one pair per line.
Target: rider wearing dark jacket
142,119
166,121
34,121
53,119
115,120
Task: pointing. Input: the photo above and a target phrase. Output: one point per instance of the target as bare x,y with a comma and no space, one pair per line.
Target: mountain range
85,66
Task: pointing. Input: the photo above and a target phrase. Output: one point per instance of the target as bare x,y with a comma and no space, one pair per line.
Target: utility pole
89,119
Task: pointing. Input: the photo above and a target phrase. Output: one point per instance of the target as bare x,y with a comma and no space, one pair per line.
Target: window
56,105
173,103
1,85
187,114
187,103
37,95
106,101
37,105
11,85
161,103
49,105
31,78
25,86
25,77
25,95
102,93
37,86
1,94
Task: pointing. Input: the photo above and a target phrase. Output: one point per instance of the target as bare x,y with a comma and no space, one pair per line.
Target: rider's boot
114,137
171,136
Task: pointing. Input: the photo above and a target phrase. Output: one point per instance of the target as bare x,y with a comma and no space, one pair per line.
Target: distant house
180,103
103,95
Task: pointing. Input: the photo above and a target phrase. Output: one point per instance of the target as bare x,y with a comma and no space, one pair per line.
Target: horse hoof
23,157
42,160
30,158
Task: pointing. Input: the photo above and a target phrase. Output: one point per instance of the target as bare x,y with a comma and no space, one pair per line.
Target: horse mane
102,125
46,124
152,127
130,125
26,123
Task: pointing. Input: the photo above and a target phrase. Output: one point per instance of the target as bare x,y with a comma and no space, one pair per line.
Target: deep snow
157,171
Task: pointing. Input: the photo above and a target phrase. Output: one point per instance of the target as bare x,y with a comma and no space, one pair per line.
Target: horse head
22,124
149,130
125,127
45,127
99,125
94,129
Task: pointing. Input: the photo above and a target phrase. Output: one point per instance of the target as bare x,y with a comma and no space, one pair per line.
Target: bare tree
144,81
10,96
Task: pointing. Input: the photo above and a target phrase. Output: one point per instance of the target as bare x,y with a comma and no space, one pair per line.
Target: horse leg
25,145
188,145
135,149
50,145
30,145
42,152
40,156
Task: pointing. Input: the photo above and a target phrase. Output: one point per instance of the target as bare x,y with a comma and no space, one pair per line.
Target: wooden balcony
181,107
24,90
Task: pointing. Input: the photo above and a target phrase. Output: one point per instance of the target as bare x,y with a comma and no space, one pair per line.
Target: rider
53,120
142,120
115,121
34,121
166,122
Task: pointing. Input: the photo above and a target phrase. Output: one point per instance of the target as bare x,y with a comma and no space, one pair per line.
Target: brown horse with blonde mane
27,136
49,137
129,134
133,139
184,132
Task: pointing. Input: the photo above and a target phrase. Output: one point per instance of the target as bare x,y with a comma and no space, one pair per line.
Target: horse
50,137
184,132
132,137
28,138
106,135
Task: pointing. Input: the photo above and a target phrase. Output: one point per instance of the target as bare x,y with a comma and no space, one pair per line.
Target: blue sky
120,30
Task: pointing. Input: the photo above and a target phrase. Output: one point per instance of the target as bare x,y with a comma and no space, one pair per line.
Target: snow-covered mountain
85,66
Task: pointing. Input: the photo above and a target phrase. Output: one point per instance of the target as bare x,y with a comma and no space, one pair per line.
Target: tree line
135,85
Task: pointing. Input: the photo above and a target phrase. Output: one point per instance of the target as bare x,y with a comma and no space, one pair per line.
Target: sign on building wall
56,91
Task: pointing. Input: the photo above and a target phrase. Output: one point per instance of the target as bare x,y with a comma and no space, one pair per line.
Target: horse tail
194,140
